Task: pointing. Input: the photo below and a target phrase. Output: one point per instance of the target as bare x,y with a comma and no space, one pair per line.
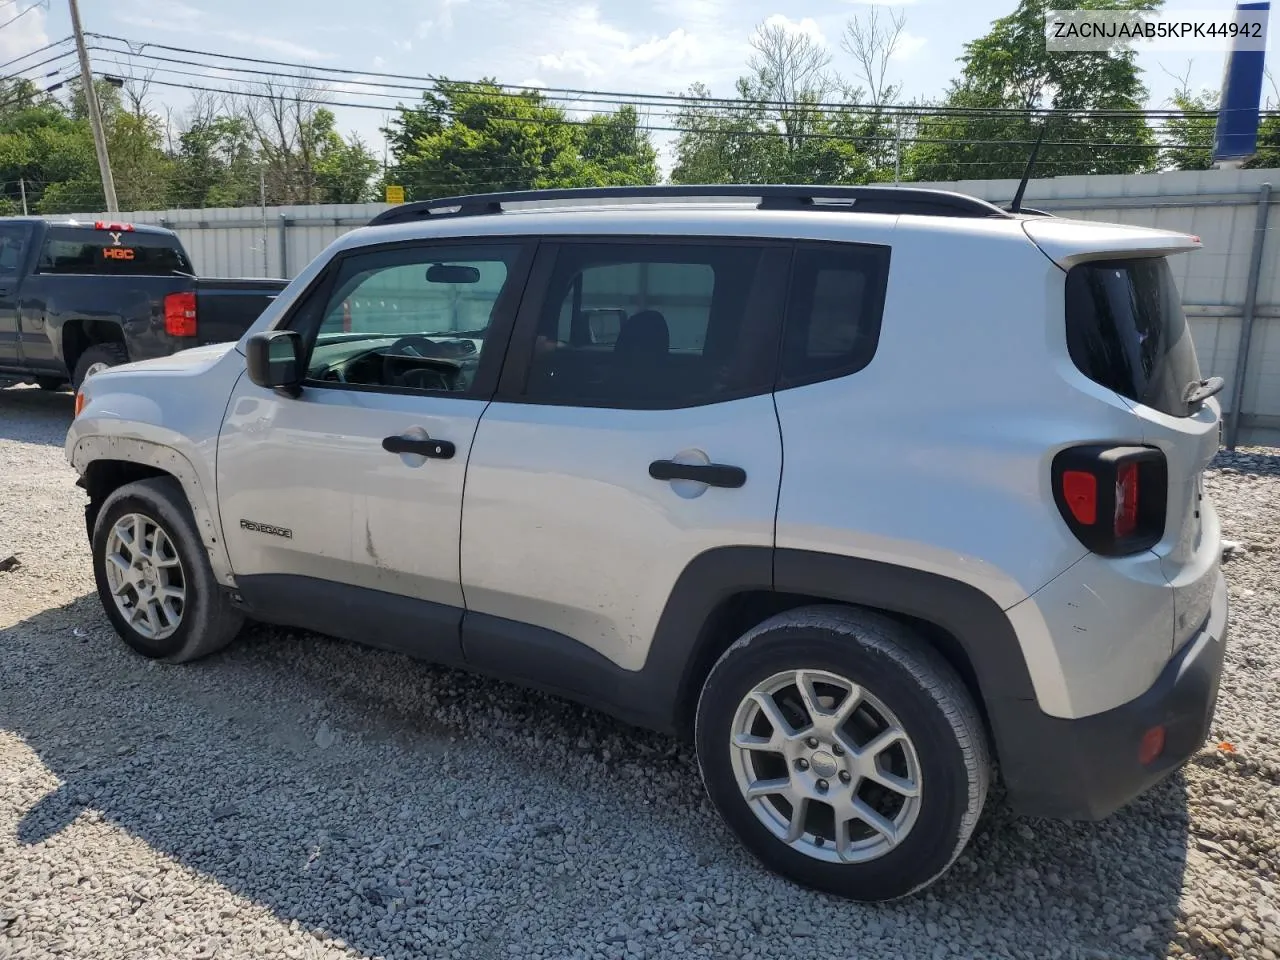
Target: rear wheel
50,383
154,577
843,752
96,359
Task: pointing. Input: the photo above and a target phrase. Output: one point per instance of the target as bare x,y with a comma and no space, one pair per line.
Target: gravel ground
298,797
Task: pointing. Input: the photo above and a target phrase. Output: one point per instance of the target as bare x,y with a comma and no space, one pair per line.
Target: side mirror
274,360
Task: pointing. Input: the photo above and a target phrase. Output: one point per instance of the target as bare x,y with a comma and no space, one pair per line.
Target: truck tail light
1112,498
114,227
180,314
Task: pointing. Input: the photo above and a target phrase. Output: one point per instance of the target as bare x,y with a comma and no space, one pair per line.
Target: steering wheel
417,369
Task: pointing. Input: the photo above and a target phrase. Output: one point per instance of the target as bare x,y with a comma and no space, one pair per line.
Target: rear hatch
1127,331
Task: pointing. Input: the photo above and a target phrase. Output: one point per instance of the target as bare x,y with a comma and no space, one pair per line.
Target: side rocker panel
131,450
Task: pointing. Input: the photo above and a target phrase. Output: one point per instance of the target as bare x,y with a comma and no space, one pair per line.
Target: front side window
410,318
655,325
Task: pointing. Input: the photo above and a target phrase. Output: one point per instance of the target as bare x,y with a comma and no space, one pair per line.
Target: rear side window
111,253
657,324
834,309
1126,331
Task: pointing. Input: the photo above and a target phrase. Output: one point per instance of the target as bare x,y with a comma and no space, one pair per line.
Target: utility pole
95,115
22,185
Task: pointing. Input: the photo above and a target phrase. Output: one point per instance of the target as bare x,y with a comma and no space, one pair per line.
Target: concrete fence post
1246,316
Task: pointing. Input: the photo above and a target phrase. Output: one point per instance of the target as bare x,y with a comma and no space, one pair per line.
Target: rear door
633,430
14,238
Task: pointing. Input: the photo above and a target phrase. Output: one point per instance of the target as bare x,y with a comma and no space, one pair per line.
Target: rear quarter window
835,304
111,253
1126,331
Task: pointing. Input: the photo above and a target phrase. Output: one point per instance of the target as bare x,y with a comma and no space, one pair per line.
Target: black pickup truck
78,297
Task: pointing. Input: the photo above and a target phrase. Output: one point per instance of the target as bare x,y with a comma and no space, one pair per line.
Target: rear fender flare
977,623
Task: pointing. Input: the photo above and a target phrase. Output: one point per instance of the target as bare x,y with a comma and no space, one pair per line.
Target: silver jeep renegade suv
871,491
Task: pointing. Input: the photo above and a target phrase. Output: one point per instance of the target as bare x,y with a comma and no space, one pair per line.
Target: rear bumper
1087,768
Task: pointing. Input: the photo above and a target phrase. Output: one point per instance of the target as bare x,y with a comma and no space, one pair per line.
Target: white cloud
585,44
883,3
286,48
441,21
181,18
909,44
23,35
808,26
379,62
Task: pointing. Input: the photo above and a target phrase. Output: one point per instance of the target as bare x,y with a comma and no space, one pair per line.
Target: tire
108,354
50,384
204,621
905,684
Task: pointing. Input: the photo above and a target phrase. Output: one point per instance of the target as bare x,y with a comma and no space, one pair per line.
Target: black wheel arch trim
678,657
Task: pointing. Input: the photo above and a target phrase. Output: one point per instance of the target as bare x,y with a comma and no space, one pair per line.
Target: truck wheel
154,577
843,752
50,384
96,359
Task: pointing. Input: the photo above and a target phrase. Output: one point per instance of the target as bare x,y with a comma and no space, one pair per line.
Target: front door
13,254
341,507
633,430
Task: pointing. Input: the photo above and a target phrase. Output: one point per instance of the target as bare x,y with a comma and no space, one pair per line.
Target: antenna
1016,206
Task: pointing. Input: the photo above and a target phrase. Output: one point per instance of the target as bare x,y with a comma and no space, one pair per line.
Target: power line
47,46
35,66
306,84
300,85
24,13
749,134
675,100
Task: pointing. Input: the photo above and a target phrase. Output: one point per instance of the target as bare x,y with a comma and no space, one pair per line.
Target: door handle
435,449
712,474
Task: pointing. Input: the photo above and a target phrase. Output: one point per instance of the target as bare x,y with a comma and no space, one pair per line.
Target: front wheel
843,752
153,574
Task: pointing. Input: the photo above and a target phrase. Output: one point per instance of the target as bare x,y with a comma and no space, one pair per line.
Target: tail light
180,314
1112,498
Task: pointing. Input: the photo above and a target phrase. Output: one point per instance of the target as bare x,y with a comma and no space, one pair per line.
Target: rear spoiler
1068,242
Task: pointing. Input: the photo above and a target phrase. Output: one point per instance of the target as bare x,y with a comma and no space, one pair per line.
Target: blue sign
1236,135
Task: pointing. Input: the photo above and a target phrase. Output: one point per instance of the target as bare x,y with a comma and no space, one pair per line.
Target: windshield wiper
1198,391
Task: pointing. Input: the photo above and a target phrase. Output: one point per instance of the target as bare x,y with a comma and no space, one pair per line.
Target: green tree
477,138
1189,138
143,171
782,132
215,161
344,169
1010,69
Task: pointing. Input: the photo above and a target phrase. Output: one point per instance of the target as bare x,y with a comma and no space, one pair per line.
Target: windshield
1126,330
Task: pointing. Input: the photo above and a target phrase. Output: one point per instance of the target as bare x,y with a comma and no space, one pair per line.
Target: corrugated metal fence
1230,288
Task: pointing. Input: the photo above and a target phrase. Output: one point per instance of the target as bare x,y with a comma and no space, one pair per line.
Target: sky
621,45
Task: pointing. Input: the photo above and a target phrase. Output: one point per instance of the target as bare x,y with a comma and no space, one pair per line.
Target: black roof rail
879,199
